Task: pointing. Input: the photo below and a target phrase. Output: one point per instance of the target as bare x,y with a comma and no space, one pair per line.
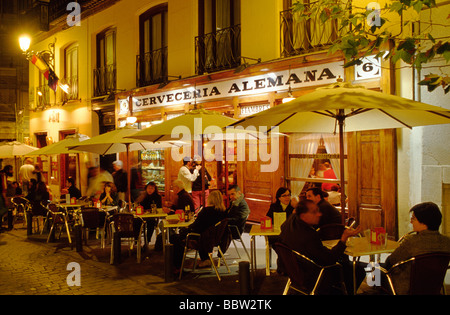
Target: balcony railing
300,36
105,80
72,94
151,67
42,96
219,50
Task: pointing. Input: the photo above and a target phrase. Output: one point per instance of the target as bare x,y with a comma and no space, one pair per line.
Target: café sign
321,74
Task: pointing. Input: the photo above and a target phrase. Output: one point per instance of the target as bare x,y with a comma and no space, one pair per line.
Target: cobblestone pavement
30,266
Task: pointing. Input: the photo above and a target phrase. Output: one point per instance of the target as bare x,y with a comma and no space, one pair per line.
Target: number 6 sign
369,69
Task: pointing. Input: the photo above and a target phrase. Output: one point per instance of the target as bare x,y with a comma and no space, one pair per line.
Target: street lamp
44,60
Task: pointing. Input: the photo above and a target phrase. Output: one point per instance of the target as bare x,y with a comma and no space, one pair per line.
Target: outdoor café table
166,225
160,214
257,231
360,246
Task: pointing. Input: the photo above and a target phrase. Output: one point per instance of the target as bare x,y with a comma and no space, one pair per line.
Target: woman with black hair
150,197
283,203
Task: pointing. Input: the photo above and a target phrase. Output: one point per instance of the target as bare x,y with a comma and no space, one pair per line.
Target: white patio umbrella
61,147
196,122
15,149
347,108
117,141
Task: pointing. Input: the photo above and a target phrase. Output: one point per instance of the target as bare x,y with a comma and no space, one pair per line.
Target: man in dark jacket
238,211
329,213
298,233
183,198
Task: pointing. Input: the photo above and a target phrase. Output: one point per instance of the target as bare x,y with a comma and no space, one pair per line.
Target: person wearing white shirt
185,175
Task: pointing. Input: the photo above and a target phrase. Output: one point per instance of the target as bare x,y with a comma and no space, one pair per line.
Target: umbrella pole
202,174
128,176
341,118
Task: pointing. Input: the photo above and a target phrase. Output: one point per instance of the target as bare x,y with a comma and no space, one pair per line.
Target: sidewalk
30,266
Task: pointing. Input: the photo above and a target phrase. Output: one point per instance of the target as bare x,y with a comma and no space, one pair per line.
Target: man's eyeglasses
285,195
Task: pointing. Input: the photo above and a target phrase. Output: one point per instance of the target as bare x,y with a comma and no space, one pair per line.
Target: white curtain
331,143
301,144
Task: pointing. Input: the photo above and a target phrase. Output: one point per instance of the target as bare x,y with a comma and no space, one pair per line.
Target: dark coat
329,213
301,237
276,207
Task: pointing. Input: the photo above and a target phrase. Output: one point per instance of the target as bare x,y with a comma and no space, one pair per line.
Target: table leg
267,256
354,275
252,260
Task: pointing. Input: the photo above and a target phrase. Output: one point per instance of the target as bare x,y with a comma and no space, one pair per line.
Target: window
151,63
71,72
105,73
218,45
300,36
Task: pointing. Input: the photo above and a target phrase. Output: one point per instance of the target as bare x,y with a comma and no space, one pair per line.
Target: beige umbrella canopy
197,122
61,147
15,148
347,108
117,141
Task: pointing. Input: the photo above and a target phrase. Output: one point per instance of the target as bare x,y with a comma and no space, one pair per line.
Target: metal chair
125,225
426,274
207,241
122,206
61,218
305,276
21,206
236,236
93,219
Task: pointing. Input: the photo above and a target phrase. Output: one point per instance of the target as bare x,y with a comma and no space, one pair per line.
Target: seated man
238,210
425,219
183,198
71,189
329,213
297,233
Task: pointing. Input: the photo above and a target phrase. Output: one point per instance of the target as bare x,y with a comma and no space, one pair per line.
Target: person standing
197,185
25,174
120,179
185,174
4,200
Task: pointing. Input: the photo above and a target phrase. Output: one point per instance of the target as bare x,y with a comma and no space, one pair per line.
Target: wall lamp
245,65
44,60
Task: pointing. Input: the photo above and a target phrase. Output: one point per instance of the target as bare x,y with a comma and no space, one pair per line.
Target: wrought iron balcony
42,96
151,67
105,80
219,50
300,36
72,94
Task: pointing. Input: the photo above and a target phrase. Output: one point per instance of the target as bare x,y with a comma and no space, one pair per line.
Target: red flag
39,63
52,80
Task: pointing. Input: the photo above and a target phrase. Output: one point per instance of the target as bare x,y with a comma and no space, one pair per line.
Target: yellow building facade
146,58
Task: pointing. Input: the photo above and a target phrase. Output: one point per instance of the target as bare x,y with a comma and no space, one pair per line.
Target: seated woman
146,199
214,212
109,195
283,203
